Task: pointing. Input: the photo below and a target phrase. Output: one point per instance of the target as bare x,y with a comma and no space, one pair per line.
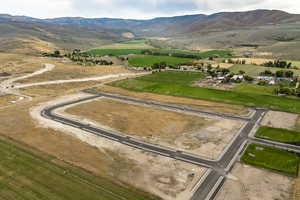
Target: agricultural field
271,158
256,89
149,61
30,175
179,84
278,135
114,52
255,70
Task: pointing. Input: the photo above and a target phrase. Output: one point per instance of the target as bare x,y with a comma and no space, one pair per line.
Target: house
248,54
237,77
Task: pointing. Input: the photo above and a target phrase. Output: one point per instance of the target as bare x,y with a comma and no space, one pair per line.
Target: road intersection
218,169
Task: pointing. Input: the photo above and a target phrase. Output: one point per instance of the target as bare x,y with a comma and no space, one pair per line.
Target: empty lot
206,136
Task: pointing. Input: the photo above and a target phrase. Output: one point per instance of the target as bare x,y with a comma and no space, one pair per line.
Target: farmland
148,61
114,52
179,84
271,158
255,70
279,135
32,175
257,89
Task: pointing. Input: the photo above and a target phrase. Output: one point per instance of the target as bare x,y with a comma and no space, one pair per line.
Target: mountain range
78,31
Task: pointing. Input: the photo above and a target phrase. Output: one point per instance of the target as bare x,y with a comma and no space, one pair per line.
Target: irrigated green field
25,175
152,83
114,52
255,70
271,158
278,134
257,89
149,61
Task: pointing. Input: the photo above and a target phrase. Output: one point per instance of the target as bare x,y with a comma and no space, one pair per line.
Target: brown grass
139,120
6,100
17,124
194,103
17,64
67,71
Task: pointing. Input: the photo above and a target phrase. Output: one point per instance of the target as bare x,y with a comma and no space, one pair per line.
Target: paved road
220,168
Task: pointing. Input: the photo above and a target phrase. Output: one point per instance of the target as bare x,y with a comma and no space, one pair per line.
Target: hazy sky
139,9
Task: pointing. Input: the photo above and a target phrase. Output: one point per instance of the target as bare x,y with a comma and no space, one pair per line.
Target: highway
219,168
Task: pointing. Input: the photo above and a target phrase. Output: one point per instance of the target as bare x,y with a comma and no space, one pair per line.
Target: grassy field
271,158
30,175
257,89
148,61
255,70
279,135
179,84
135,42
114,52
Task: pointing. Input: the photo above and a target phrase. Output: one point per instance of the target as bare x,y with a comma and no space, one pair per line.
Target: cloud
138,8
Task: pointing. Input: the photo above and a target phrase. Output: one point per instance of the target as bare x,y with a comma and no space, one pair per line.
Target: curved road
220,168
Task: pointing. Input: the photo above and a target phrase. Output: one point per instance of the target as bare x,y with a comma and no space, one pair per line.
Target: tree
280,73
289,74
241,72
249,78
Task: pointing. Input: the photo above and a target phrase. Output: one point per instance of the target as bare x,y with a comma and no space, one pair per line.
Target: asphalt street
220,168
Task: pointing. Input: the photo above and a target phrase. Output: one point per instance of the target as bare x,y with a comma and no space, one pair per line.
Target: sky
137,9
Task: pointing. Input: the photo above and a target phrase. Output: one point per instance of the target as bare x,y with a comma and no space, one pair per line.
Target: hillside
258,28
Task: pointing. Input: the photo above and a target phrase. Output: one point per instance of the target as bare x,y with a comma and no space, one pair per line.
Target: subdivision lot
271,158
149,61
31,175
202,135
247,182
280,120
278,134
150,83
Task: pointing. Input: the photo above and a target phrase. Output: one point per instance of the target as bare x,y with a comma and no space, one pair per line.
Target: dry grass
17,124
255,61
18,64
67,71
59,89
194,103
6,100
139,120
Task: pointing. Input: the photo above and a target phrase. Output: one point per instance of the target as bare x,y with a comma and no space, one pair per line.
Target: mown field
278,134
28,175
271,158
149,61
257,89
255,70
152,83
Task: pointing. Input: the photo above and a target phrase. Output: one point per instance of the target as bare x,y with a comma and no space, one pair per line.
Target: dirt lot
206,136
165,177
194,103
256,184
280,120
66,70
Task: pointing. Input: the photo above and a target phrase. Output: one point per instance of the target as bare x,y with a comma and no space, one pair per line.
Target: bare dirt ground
194,103
280,120
256,184
202,135
162,176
